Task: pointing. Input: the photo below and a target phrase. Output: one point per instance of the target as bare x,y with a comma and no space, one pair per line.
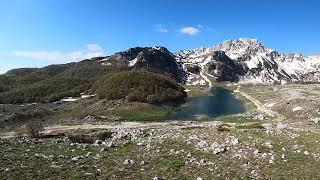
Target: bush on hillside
139,86
31,129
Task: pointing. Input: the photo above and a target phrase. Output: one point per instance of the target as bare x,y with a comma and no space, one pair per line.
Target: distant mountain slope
256,63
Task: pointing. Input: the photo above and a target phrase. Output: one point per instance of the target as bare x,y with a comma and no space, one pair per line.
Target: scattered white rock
260,117
268,144
218,148
267,126
203,161
271,159
280,126
98,142
88,154
202,144
75,158
140,144
128,161
256,152
316,120
298,108
254,173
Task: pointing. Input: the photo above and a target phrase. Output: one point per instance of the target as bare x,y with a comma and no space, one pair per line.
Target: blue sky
34,33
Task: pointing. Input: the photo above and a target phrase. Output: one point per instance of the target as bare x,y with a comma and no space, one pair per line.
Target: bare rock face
223,68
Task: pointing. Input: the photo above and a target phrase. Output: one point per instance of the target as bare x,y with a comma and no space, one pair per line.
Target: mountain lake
221,102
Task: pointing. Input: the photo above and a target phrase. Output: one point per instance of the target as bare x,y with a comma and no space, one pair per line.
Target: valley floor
277,138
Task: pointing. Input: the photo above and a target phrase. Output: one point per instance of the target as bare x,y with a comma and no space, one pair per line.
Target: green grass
124,111
171,163
142,112
257,125
235,119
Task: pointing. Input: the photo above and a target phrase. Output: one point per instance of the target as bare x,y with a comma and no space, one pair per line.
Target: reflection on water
222,102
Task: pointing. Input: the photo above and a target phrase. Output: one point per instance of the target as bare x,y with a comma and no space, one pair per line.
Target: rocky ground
253,145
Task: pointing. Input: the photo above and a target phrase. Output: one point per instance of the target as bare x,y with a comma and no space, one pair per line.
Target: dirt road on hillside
260,106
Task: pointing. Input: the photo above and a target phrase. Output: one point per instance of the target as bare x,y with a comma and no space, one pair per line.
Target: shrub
81,138
31,129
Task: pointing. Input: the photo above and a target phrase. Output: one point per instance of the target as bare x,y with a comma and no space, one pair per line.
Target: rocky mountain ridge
248,61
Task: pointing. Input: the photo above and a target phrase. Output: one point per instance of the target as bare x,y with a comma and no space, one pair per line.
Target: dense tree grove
141,86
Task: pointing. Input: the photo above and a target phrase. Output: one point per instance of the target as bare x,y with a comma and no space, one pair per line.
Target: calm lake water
222,102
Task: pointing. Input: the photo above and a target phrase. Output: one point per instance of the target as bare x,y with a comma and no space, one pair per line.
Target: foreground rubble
182,150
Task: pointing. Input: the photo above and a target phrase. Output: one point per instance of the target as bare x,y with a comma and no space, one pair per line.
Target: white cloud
190,30
204,28
160,28
92,50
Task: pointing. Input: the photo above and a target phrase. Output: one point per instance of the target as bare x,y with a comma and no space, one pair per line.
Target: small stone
280,126
254,173
102,149
218,148
306,153
203,161
271,159
199,178
234,141
202,144
88,154
99,170
260,117
98,142
75,158
128,161
139,144
269,145
316,120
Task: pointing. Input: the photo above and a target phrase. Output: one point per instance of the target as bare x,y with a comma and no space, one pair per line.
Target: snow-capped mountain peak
252,61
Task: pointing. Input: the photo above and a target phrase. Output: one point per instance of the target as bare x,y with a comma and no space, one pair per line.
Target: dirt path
206,78
260,106
64,128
